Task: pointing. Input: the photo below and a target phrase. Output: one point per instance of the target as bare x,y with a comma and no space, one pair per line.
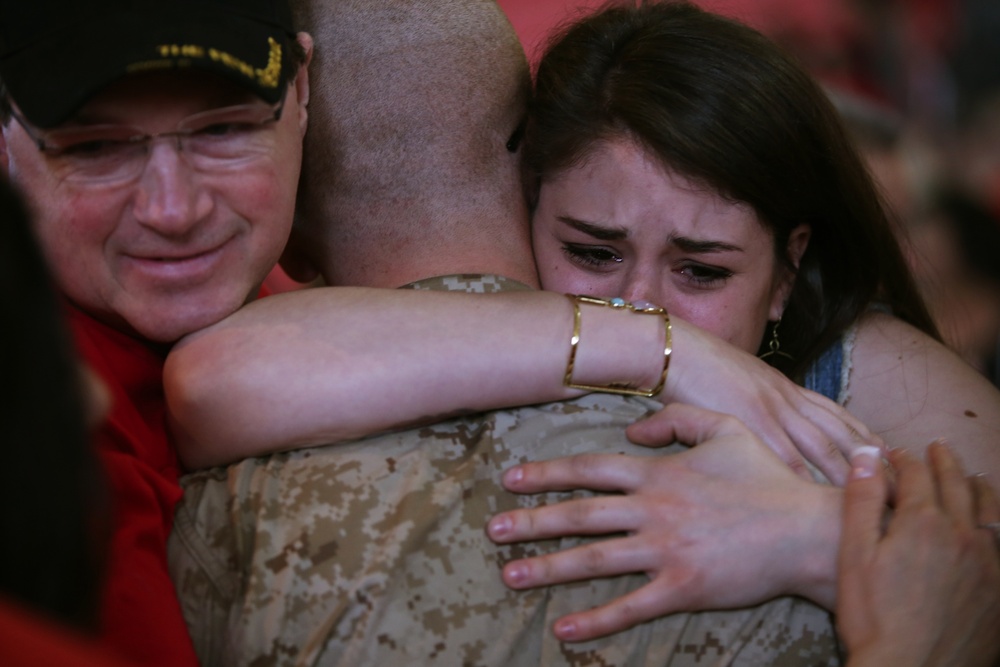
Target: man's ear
798,241
302,80
295,261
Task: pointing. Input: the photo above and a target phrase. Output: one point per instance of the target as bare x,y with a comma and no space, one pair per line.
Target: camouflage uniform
374,553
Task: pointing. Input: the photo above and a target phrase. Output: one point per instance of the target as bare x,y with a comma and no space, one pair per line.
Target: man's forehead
152,93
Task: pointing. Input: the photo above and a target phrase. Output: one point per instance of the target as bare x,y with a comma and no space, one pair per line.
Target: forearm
332,364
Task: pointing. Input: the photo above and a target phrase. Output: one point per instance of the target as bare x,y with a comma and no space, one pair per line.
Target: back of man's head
407,171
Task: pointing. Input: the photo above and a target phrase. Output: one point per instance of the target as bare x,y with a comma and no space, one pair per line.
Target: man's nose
170,197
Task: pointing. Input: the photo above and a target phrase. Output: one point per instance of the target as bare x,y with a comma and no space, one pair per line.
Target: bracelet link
639,307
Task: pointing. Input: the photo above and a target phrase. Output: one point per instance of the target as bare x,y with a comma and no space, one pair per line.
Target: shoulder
894,362
911,389
887,341
889,353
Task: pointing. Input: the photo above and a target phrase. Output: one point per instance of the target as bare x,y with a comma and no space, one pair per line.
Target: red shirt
141,617
28,639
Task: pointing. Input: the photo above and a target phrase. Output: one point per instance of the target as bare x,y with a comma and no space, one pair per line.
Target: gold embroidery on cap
268,77
231,61
179,50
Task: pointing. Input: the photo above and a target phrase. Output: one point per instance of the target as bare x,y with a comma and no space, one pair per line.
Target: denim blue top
825,375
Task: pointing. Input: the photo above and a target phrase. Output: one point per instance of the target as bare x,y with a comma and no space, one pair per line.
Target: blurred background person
53,503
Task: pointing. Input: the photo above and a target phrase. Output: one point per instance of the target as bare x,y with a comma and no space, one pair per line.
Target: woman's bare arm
332,364
912,390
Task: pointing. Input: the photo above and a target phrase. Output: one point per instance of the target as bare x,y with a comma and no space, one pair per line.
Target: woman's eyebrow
597,231
691,245
685,243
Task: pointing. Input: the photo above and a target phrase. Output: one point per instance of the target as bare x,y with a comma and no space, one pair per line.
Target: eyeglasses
216,140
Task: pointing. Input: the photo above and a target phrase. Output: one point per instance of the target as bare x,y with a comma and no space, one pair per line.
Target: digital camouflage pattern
375,553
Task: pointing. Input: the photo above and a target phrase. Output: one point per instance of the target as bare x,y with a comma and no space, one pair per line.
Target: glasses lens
213,140
97,153
232,133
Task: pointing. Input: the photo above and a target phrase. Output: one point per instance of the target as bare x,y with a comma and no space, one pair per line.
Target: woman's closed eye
704,276
591,256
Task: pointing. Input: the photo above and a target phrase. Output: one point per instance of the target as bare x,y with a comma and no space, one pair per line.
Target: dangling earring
774,347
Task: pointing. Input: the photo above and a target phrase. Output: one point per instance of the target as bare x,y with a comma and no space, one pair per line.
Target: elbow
201,400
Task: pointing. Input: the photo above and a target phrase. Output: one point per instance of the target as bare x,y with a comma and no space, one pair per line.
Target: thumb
680,422
865,496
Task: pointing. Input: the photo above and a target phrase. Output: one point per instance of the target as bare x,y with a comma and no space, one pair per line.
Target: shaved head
413,105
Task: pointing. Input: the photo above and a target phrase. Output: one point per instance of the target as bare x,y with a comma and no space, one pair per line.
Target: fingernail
565,629
864,461
499,526
516,574
873,452
514,475
941,442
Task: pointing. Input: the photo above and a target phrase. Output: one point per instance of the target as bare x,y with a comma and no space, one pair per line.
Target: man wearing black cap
158,144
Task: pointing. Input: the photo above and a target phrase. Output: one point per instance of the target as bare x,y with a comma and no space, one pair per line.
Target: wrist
693,362
815,574
618,347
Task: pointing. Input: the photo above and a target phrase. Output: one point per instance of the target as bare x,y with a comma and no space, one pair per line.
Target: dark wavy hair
722,105
53,501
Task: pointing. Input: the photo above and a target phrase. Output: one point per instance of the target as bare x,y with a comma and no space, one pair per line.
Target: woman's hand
723,525
926,589
797,424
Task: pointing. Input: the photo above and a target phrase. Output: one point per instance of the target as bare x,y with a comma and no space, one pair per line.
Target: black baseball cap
55,54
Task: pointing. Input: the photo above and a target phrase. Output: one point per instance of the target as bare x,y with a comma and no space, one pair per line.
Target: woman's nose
644,286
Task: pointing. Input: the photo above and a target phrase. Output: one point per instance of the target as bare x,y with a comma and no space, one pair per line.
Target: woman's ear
798,241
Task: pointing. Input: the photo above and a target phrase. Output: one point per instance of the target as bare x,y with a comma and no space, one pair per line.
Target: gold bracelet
620,304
